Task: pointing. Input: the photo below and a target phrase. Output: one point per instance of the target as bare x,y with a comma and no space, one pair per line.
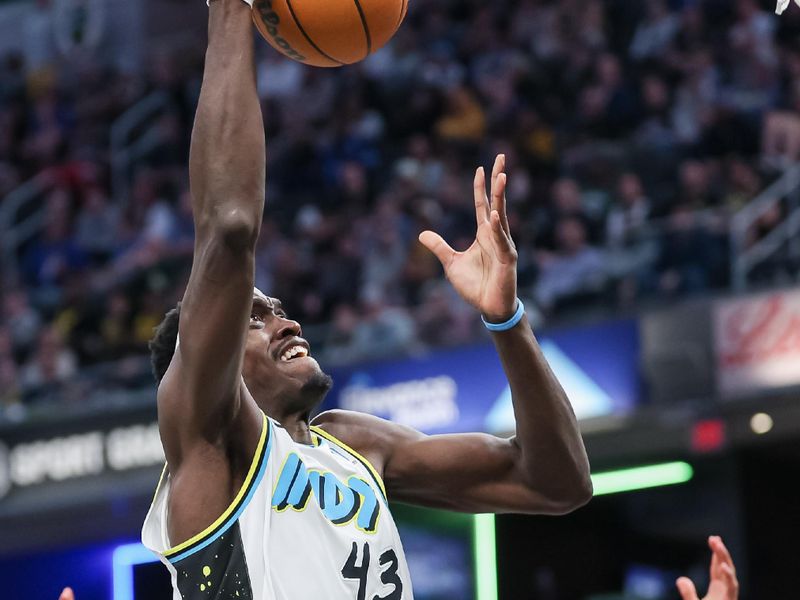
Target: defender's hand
485,274
724,585
67,594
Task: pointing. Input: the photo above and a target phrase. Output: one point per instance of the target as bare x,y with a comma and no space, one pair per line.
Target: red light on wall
708,435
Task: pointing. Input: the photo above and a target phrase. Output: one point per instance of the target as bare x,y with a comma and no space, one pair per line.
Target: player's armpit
472,472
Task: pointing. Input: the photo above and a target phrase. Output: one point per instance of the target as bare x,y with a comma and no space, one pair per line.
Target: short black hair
162,346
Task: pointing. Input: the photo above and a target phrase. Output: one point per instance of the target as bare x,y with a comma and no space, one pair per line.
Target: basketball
328,33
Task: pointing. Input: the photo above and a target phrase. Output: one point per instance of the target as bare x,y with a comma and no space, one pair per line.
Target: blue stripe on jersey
235,516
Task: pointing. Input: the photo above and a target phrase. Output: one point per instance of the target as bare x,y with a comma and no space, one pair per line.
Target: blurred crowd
633,130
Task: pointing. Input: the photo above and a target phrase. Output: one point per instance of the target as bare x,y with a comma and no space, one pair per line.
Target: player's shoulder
339,417
363,431
350,426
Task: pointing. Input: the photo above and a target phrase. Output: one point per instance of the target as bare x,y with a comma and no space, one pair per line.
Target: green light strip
485,557
639,478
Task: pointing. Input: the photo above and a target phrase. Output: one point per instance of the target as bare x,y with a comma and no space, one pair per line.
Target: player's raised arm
544,468
201,392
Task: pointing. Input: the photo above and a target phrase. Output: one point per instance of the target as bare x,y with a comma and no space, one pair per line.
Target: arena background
655,199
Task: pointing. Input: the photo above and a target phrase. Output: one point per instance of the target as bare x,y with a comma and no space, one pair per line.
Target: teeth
294,351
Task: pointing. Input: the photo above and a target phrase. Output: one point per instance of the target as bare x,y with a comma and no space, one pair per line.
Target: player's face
278,362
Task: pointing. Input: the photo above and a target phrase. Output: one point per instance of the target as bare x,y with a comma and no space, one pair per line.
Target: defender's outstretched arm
723,584
202,391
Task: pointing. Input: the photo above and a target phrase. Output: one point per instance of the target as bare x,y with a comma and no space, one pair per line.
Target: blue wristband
518,314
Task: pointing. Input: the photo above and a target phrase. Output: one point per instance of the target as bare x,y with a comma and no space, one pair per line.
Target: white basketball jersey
311,522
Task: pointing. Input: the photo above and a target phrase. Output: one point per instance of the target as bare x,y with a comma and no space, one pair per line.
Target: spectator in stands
780,139
377,330
770,218
340,341
421,268
10,393
337,272
96,228
6,343
385,330
655,32
464,120
49,122
696,186
115,327
630,247
22,321
443,319
279,78
575,269
50,260
687,254
742,184
754,71
182,232
52,362
696,95
655,131
384,251
420,166
566,203
147,317
618,96
629,214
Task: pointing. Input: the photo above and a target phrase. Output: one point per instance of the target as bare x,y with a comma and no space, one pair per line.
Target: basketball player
258,502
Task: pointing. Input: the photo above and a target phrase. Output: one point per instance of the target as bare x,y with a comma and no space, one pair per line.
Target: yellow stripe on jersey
355,454
254,466
160,483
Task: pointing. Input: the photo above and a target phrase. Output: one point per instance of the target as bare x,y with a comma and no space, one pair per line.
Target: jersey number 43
389,576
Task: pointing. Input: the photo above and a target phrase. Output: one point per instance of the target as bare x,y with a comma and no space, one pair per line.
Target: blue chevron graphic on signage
588,399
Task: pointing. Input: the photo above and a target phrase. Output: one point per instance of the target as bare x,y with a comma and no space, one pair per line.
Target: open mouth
293,353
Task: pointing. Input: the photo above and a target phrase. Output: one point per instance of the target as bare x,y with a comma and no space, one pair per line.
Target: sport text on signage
85,454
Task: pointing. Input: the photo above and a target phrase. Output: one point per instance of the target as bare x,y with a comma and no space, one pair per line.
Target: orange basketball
328,33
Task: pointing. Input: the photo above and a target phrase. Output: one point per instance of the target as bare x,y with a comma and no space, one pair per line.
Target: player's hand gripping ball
328,33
